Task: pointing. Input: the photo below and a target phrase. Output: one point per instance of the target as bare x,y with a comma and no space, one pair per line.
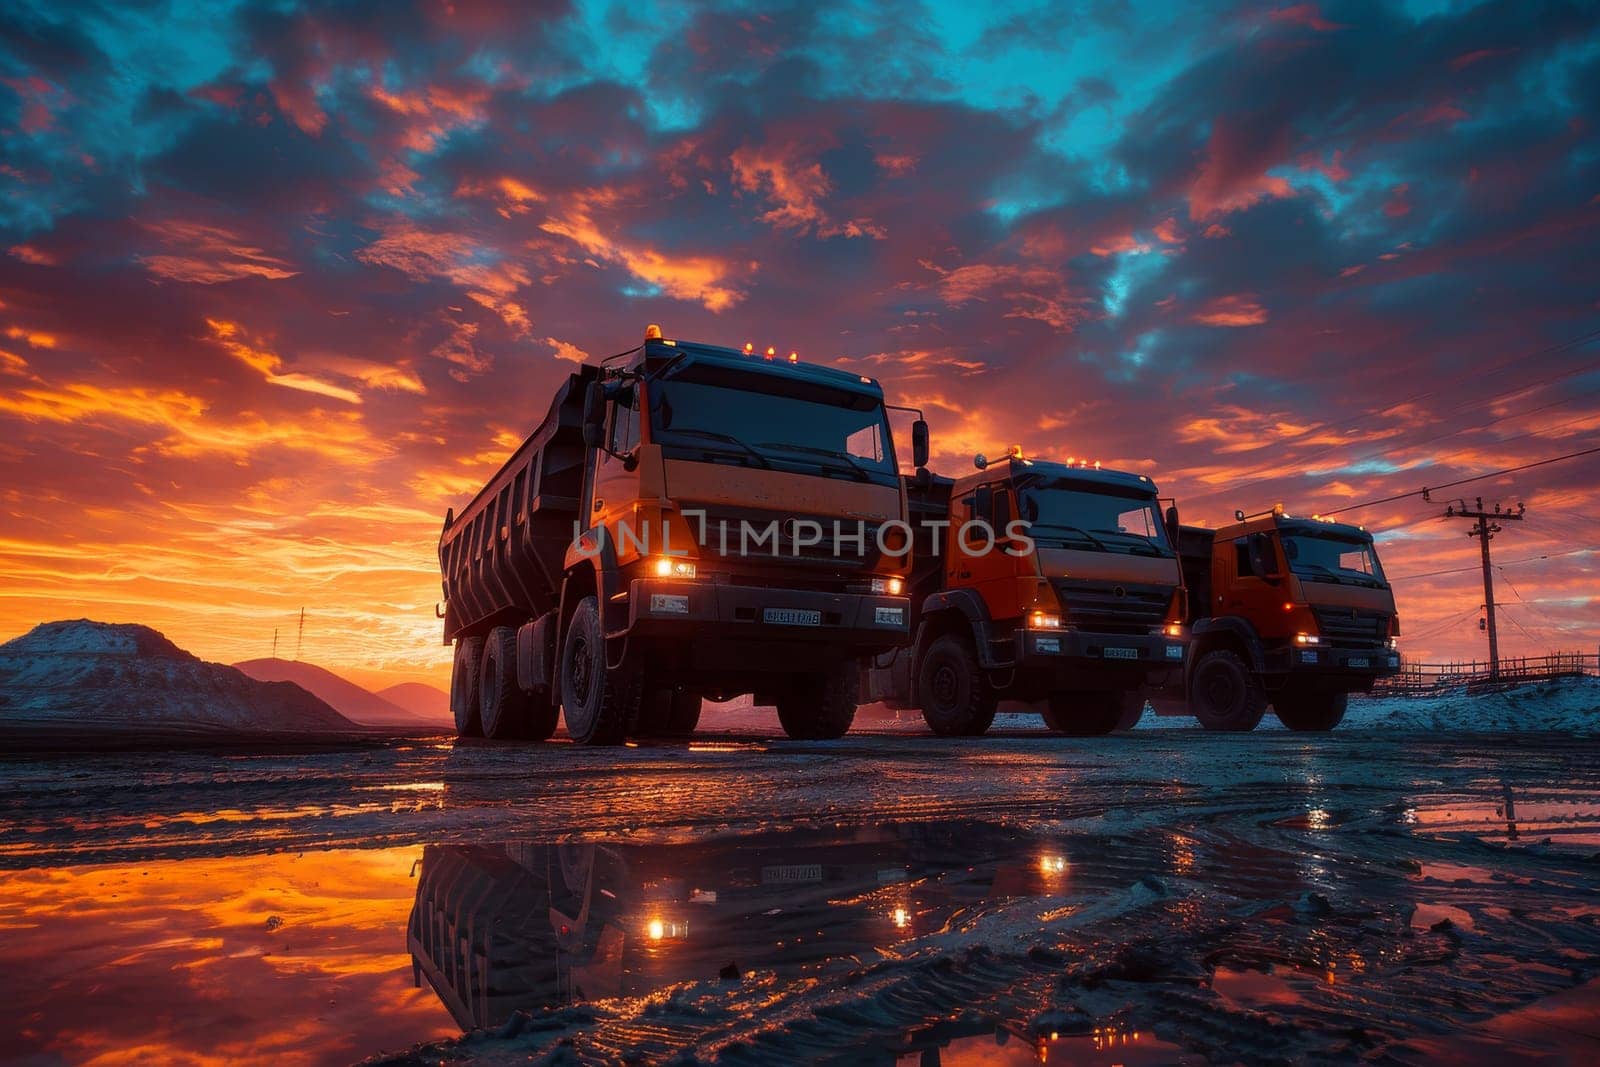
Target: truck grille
1113,607
849,554
1350,626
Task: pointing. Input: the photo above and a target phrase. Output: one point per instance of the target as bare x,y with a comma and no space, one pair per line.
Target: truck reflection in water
521,926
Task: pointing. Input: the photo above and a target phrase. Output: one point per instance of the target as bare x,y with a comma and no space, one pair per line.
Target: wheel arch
959,611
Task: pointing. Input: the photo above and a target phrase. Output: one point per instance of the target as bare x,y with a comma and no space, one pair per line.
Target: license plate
791,617
789,873
1359,661
1122,653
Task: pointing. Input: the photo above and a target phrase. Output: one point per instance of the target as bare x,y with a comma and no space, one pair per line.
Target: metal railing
1424,679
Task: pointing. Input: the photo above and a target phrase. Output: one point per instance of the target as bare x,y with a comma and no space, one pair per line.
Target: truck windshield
773,423
1335,559
1090,517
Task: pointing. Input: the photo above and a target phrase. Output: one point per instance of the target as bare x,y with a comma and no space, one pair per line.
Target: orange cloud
567,351
798,189
488,277
1033,292
1233,175
269,365
207,255
1241,309
680,275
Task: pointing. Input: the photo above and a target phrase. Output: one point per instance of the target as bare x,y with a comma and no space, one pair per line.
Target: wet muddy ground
1166,896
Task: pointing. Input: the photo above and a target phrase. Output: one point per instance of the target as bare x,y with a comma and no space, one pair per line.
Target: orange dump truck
688,522
1046,583
1289,611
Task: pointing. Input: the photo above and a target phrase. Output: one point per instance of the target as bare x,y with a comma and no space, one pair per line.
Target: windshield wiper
1138,540
1322,570
1080,531
718,435
864,474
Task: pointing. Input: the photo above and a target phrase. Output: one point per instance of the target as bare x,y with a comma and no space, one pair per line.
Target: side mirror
1263,562
919,443
1173,525
594,415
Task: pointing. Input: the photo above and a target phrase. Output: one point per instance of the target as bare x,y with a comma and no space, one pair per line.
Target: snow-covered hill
95,676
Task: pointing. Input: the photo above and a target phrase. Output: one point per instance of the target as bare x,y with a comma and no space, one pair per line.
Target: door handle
598,505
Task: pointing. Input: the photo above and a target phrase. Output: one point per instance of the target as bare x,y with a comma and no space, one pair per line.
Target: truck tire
600,704
1311,711
464,687
1225,694
1132,705
954,696
669,713
1080,714
821,706
506,711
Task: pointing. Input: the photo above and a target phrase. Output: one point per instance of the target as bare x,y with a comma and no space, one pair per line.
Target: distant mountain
427,702
95,676
351,700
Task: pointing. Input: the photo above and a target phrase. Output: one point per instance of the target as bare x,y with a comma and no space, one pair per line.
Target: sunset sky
280,283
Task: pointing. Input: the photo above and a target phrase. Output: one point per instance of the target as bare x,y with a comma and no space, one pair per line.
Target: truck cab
732,522
1048,583
1295,612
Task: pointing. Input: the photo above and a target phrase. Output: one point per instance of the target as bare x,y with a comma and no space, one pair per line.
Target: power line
1463,481
1485,372
1507,563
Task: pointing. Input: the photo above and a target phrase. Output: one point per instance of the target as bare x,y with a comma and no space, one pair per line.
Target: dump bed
1194,554
501,556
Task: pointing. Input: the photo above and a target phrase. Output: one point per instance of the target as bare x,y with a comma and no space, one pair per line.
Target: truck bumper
1353,664
1082,658
708,624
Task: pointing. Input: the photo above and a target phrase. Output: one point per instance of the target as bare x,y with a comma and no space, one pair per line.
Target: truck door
1243,593
616,488
991,572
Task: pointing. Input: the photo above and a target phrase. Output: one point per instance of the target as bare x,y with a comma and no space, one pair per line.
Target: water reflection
522,926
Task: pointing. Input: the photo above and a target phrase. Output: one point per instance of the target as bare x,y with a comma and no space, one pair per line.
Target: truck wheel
1080,714
820,707
669,713
1132,705
464,687
1225,694
1311,711
955,697
601,704
506,710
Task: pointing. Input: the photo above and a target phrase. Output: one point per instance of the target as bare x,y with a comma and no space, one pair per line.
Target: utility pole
300,635
1484,529
274,642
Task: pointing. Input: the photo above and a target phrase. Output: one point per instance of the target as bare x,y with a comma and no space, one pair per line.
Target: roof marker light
652,332
749,348
794,357
771,351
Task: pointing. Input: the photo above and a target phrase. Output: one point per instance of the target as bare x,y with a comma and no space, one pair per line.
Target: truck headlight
889,586
1394,644
674,568
1044,620
1307,639
1173,629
